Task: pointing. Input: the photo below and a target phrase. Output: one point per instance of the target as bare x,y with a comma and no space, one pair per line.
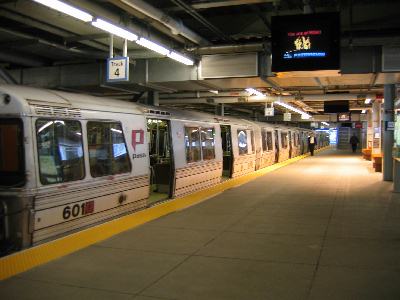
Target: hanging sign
269,111
287,117
118,69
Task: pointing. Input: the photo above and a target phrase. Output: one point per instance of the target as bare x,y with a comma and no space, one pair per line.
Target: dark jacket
309,138
354,140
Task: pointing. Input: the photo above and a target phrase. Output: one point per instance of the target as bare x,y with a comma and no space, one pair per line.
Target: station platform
324,227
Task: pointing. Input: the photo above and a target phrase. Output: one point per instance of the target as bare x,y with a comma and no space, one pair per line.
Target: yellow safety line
24,260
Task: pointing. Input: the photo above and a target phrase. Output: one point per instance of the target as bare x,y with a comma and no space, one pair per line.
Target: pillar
388,133
370,130
153,98
220,110
376,127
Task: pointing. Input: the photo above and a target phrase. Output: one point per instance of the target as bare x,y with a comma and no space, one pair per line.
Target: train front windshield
12,170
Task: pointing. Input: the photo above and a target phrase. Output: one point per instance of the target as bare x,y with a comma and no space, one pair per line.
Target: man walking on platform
354,141
311,143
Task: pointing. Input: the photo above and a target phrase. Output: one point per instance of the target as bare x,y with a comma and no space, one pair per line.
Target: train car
69,161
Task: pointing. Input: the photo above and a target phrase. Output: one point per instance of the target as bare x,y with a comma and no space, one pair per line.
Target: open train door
290,145
276,146
226,139
161,160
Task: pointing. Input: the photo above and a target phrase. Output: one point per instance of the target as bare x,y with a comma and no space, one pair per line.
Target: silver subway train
69,161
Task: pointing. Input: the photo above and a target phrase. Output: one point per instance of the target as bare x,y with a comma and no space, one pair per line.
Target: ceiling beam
224,3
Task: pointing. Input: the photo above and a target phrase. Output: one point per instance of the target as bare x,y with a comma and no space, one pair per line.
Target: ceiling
33,36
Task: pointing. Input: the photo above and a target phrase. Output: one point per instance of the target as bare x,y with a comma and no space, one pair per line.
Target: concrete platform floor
326,227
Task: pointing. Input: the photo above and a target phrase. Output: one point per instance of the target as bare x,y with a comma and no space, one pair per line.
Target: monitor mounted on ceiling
309,42
332,107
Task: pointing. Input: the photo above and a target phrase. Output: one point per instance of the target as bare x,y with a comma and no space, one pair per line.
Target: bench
367,153
377,162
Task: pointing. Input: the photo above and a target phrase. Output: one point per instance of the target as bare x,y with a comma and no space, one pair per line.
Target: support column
220,110
376,128
370,130
153,98
388,135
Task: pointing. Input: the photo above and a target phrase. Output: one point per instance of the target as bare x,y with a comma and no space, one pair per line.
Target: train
70,161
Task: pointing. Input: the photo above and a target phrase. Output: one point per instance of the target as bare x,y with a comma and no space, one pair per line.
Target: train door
161,160
290,144
276,146
226,139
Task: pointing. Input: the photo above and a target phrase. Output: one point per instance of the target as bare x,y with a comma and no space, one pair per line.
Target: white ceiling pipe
175,26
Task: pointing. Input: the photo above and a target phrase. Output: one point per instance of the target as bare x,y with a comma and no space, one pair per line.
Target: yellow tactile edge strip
24,260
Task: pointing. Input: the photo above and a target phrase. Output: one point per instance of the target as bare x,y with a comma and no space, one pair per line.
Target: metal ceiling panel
229,65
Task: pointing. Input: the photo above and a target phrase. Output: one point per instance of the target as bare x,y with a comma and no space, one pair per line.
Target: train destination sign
118,69
305,42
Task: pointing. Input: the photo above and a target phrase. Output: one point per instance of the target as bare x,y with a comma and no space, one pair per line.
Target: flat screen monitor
308,42
336,106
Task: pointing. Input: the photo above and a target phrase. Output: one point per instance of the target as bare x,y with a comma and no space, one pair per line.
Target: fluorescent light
152,46
363,111
368,101
66,9
303,114
180,58
252,91
111,28
325,123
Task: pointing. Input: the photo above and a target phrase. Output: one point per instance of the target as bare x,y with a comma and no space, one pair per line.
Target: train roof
44,97
27,96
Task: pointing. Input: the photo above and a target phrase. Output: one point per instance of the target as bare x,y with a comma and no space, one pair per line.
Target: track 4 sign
118,69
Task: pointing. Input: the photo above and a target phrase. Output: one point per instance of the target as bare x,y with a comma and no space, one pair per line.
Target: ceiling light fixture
111,28
303,114
180,58
152,46
368,101
66,9
252,91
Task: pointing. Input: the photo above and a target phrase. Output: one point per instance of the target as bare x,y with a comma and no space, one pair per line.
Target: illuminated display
305,42
344,117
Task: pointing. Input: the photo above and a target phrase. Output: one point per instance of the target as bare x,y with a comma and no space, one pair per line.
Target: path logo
137,138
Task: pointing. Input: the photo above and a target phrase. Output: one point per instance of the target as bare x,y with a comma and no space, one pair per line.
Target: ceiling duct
176,27
229,65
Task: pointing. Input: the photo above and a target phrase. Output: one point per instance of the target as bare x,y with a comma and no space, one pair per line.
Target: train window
107,149
242,142
264,140
284,138
60,150
253,148
12,167
208,143
192,144
269,141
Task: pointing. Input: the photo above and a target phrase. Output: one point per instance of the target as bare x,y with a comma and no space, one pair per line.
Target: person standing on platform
354,141
311,143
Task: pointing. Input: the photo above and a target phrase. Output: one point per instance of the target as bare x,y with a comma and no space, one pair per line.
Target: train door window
12,167
253,148
108,154
160,153
227,150
264,140
192,144
242,142
284,138
269,141
60,150
208,143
